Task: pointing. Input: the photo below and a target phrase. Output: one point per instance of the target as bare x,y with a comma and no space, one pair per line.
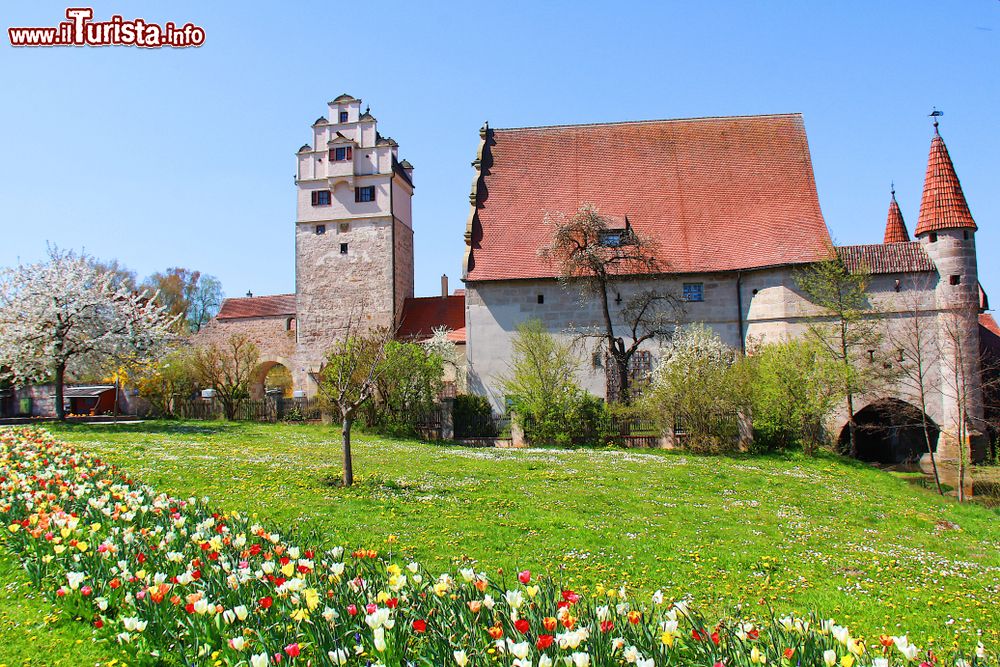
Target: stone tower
353,231
947,232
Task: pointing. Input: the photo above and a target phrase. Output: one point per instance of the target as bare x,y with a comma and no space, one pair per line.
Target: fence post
448,419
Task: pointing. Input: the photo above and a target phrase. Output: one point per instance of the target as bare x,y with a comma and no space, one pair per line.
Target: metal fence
482,426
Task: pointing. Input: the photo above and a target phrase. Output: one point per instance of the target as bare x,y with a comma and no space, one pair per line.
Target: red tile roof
424,314
905,257
943,205
277,305
895,228
989,336
715,193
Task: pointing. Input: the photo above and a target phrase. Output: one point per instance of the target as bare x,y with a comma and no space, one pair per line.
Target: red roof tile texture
276,305
943,205
422,315
895,228
987,322
906,257
716,194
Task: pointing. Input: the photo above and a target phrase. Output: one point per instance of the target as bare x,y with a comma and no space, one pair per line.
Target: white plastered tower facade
353,233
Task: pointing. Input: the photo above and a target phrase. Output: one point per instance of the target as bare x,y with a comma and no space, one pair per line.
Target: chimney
444,284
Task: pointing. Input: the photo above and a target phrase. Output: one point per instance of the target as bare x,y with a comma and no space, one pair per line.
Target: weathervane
935,114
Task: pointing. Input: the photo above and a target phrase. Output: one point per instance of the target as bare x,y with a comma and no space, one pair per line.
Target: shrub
473,417
699,388
406,390
795,388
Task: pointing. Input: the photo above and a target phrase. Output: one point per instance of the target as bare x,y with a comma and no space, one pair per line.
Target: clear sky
185,157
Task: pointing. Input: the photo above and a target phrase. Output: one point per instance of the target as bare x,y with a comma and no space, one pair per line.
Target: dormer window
343,116
340,154
611,238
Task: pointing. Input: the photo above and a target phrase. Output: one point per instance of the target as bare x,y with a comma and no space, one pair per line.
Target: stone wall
403,280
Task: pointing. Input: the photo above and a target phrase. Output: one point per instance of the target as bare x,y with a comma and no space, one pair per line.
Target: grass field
800,534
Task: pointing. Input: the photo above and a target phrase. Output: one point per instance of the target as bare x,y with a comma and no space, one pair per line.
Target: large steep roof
421,315
717,194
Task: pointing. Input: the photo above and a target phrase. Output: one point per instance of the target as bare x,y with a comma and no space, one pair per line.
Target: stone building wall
403,280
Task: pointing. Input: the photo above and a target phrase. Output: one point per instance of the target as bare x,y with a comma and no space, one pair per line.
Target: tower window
955,280
541,298
343,248
320,229
367,193
340,154
343,116
345,227
965,235
321,198
933,237
694,292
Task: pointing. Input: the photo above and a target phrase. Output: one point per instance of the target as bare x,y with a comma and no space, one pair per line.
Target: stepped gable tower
353,231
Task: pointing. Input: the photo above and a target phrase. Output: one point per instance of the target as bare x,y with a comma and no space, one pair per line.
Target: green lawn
849,541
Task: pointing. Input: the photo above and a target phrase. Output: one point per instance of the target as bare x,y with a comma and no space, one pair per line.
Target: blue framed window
694,292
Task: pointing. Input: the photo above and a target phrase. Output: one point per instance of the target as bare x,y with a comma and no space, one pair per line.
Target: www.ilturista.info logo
80,30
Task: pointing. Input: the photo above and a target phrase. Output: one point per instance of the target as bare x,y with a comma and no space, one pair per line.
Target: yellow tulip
82,546
288,568
847,660
14,527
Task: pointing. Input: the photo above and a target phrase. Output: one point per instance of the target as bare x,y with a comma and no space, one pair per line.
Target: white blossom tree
67,315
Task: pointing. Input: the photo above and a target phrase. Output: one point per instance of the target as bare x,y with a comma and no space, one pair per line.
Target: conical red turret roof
895,228
943,205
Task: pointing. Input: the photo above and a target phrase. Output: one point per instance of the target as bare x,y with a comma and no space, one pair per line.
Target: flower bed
180,583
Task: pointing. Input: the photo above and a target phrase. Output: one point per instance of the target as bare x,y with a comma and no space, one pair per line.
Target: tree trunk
851,426
930,450
60,378
345,431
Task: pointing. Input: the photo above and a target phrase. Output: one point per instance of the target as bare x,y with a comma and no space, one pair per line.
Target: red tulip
522,625
544,641
524,576
352,609
607,626
266,602
419,626
292,650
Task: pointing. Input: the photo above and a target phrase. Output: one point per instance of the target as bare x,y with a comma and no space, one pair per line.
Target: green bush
473,417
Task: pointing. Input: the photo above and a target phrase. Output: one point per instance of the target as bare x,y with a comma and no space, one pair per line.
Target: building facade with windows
353,253
732,208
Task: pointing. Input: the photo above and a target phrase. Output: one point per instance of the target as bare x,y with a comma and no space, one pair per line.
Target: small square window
343,116
340,153
367,193
694,292
343,248
933,237
541,298
955,280
321,198
344,227
320,229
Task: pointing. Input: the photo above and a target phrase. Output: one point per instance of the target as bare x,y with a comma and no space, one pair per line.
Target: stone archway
890,432
264,376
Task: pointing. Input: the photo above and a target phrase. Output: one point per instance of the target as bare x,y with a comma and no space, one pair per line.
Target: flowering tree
593,253
65,314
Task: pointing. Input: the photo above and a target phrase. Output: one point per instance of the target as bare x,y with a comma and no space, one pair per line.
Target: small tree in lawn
915,337
847,331
592,253
350,377
228,368
69,315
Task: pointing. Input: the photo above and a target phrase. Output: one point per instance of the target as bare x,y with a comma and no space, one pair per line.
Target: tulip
460,658
258,660
338,657
830,657
524,576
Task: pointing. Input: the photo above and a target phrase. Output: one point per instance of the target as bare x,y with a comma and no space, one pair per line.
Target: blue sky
186,157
